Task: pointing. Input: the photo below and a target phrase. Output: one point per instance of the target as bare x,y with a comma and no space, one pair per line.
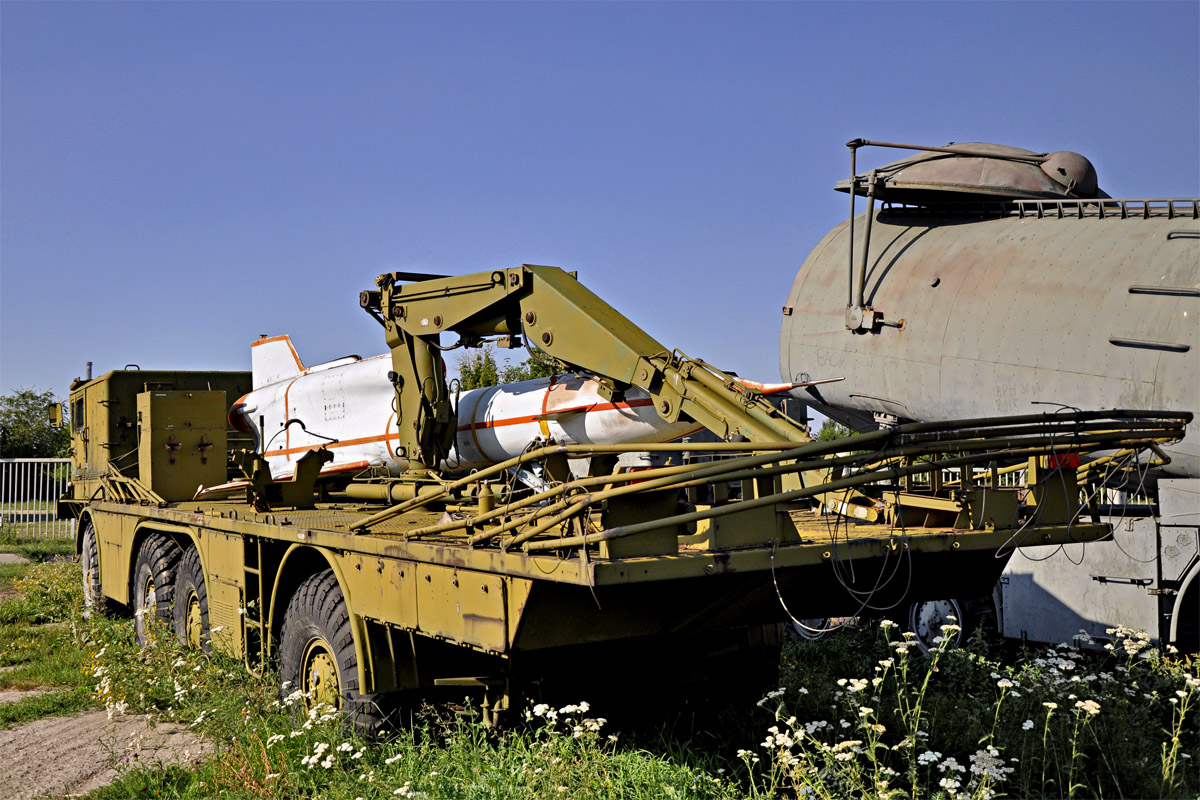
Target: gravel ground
76,754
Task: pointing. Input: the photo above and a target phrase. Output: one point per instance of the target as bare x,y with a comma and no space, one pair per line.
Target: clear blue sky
176,179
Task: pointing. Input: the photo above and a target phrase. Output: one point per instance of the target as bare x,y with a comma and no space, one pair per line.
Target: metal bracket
1124,581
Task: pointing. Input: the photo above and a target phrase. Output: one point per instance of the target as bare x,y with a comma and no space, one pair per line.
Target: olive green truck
365,579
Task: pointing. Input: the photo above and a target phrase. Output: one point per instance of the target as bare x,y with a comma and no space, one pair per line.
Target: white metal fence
29,492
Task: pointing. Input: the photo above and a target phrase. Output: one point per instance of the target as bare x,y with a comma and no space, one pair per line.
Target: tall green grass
1059,722
42,637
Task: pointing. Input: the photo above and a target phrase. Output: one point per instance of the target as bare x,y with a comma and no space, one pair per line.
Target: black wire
296,421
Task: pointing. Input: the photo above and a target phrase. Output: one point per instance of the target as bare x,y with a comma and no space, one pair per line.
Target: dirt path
79,753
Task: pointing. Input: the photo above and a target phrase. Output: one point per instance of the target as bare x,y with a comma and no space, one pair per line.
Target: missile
498,422
344,405
348,407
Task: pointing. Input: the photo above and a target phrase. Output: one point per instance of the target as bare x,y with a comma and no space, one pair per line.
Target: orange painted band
500,423
289,451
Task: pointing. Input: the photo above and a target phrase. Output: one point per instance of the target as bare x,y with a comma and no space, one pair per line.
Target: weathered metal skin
1062,302
1007,174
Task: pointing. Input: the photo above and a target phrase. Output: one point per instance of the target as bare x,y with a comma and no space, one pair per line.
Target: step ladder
254,632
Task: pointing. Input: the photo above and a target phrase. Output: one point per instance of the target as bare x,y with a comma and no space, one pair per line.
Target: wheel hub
89,575
150,607
319,676
195,621
930,616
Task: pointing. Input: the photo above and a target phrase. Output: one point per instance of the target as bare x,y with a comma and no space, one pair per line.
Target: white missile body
348,406
499,422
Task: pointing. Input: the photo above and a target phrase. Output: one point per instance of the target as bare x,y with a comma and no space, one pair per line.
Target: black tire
154,575
809,630
89,560
190,609
927,617
316,654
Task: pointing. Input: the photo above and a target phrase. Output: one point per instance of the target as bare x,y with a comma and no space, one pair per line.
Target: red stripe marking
474,410
387,437
287,430
357,465
500,423
347,467
545,402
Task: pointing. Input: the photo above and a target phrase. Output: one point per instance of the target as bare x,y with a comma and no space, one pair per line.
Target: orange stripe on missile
545,401
500,423
290,451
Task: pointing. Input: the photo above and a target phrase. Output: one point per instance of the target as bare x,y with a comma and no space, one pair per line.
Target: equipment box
181,442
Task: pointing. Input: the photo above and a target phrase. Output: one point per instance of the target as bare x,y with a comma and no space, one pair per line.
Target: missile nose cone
237,415
1073,171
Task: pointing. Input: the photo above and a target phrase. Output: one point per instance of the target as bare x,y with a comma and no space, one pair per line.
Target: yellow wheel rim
195,622
319,675
89,575
149,610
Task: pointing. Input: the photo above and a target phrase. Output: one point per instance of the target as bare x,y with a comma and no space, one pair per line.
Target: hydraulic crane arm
567,322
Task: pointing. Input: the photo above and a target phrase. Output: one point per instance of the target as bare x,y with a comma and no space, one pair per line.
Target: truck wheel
154,575
316,653
809,630
191,602
89,559
926,619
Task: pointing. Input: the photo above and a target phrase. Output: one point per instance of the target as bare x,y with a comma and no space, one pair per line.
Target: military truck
365,589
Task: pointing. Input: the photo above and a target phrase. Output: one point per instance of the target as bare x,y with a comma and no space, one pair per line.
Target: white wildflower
928,757
950,764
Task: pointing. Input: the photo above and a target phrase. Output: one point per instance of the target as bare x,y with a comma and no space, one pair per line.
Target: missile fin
273,359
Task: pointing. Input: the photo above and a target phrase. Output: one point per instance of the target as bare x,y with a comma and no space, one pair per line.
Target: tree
528,369
25,430
478,369
831,430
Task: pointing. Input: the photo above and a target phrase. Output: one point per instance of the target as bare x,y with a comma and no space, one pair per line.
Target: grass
27,533
1059,722
42,634
34,549
27,505
860,714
